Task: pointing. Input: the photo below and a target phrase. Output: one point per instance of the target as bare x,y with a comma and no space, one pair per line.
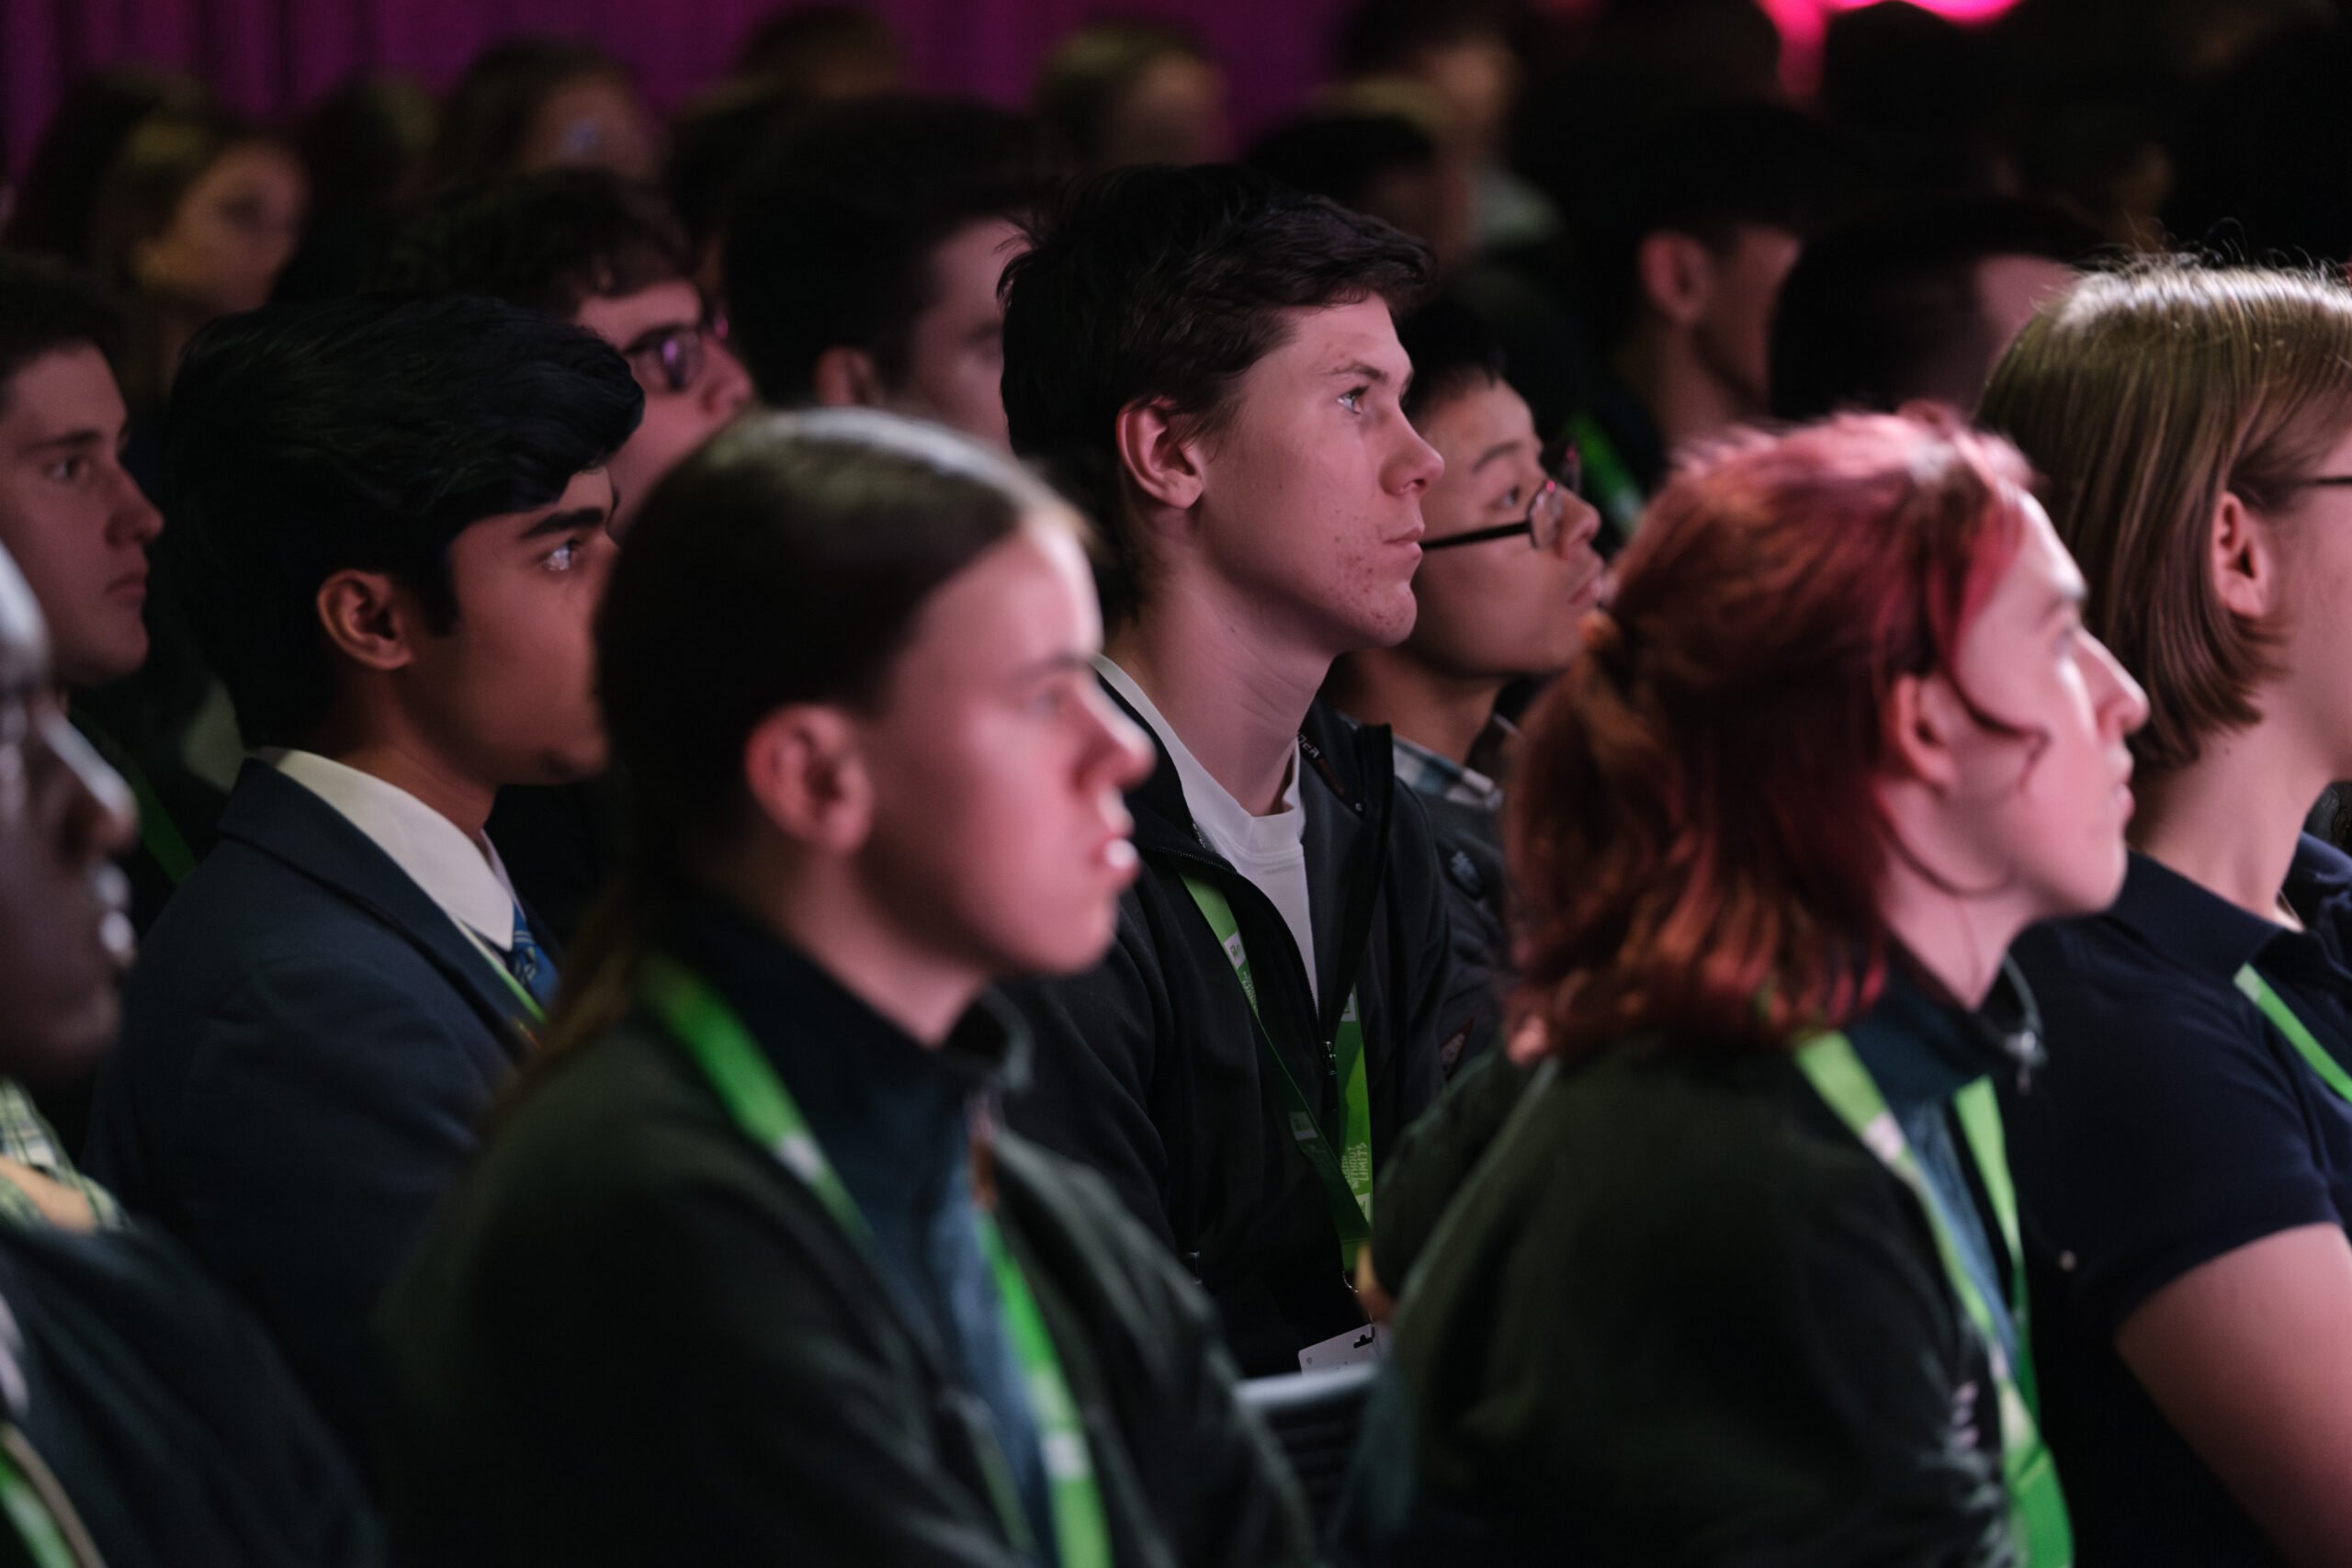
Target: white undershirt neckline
464,877
1270,851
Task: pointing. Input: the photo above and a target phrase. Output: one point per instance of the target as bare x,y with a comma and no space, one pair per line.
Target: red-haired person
1736,1283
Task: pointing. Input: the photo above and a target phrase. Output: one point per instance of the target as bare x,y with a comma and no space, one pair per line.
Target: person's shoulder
2112,1003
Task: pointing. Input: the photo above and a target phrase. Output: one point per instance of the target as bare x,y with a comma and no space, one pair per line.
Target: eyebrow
1499,449
70,439
572,521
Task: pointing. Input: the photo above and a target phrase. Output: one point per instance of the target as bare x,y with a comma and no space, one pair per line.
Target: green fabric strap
763,1106
31,1519
1346,1178
2282,1018
2038,1519
1608,481
158,833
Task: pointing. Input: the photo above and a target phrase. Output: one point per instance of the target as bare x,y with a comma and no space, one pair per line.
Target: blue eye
1353,400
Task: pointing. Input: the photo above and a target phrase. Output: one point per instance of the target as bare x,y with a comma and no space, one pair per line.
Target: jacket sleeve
1095,1049
324,1113
1435,1158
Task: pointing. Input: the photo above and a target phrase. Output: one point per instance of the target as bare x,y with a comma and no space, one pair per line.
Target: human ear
845,378
1162,459
2243,558
1676,274
367,619
806,774
1925,719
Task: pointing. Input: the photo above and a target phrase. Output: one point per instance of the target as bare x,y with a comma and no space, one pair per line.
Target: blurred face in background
230,235
595,121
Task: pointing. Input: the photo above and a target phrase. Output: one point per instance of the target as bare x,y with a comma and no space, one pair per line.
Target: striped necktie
529,963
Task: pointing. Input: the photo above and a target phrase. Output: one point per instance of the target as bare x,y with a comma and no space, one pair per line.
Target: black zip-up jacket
1149,1069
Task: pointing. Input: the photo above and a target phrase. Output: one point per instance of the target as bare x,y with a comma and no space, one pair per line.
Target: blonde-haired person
2186,1165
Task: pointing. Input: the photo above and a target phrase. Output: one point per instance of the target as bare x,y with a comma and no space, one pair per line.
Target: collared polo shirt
2172,1125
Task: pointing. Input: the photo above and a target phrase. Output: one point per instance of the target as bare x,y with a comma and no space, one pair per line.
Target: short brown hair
2142,397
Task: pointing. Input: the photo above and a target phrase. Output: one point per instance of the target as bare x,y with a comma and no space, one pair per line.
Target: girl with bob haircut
746,1275
2185,1168
1738,1280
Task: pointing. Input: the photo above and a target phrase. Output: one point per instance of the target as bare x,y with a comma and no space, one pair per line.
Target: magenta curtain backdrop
275,57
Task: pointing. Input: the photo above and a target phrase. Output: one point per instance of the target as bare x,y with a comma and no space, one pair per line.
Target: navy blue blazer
308,1041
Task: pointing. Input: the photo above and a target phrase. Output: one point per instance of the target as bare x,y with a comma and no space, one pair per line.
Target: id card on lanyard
2038,1520
764,1109
1346,1175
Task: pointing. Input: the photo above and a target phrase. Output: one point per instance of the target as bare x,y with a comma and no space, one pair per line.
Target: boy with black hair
398,515
1207,359
586,247
864,252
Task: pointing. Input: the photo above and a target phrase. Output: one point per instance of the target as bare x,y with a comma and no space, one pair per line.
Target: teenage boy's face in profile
509,692
693,385
1311,494
955,346
63,815
74,521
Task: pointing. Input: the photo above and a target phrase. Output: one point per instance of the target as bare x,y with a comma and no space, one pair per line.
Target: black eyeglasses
672,358
1546,514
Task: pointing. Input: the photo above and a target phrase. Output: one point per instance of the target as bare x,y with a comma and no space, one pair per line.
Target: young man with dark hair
1918,303
1507,571
1697,228
1207,359
863,254
586,247
398,515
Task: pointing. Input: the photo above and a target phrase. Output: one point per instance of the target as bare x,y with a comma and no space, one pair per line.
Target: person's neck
1958,941
1687,400
823,914
1439,713
399,760
2229,820
1236,694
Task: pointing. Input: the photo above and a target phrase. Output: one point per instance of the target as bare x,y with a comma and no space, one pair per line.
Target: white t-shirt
1270,852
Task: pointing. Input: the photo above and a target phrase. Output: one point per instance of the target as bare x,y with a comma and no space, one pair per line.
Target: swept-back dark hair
46,306
368,433
831,235
1167,285
786,562
547,241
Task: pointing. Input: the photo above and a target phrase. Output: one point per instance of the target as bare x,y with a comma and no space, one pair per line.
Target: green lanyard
35,1526
2282,1018
2044,1538
763,1108
1346,1177
158,834
1609,481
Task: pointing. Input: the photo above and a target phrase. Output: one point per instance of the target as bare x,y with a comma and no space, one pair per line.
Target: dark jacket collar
272,814
2206,933
1921,1047
891,1114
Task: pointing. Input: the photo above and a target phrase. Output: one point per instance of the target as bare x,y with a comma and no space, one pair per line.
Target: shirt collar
461,874
1435,775
2196,926
1921,1048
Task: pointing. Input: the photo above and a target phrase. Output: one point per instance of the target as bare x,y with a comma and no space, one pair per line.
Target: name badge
1369,1343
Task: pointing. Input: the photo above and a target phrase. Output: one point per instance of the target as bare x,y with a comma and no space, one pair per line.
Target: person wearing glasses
399,513
2186,1177
1507,570
584,246
1738,1282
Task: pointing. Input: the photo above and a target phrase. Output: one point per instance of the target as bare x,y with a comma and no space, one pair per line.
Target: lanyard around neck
2038,1519
1346,1177
763,1108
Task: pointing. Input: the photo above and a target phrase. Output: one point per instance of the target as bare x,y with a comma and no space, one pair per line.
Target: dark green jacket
1679,1315
634,1338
